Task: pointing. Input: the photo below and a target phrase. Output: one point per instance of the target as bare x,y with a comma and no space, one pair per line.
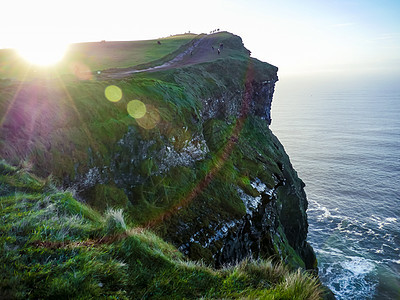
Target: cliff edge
194,160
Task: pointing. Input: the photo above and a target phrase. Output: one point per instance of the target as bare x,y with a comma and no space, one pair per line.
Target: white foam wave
386,221
322,213
396,261
330,252
391,220
358,266
350,278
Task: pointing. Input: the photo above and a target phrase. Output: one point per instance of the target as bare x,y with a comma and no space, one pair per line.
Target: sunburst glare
42,53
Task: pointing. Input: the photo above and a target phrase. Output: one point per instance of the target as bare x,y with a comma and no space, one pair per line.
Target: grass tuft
115,222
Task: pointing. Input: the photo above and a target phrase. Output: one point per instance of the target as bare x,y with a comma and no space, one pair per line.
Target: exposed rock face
253,234
230,103
275,222
261,106
132,152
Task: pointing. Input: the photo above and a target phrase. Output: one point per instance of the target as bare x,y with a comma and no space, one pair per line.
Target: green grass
79,114
52,246
98,56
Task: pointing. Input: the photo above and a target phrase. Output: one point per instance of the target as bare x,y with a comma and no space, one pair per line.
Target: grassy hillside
52,246
108,54
90,57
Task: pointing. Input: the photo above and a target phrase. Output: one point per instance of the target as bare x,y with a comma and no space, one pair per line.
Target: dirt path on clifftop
204,49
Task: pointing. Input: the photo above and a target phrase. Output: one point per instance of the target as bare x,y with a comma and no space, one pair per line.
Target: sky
299,37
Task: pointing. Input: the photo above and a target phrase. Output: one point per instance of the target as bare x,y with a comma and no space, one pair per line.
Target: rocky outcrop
230,103
262,99
275,225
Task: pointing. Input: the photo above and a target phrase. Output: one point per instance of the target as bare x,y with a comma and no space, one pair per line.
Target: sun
42,53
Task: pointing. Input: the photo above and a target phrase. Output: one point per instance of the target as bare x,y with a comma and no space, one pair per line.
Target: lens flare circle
150,119
113,93
136,109
81,71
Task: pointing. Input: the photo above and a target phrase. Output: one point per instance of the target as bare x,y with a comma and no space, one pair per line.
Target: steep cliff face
274,222
203,169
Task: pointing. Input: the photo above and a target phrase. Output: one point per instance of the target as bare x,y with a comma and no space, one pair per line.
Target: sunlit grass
81,60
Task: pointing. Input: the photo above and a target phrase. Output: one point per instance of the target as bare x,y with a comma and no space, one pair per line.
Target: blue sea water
343,138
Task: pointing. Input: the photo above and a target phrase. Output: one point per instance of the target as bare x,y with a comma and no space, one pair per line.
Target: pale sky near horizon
308,36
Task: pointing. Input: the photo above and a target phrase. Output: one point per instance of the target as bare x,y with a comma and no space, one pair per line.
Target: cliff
200,167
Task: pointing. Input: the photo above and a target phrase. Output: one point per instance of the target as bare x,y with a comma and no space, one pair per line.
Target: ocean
343,137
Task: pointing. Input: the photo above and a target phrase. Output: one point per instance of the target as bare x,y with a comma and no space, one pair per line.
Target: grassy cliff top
96,56
83,59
